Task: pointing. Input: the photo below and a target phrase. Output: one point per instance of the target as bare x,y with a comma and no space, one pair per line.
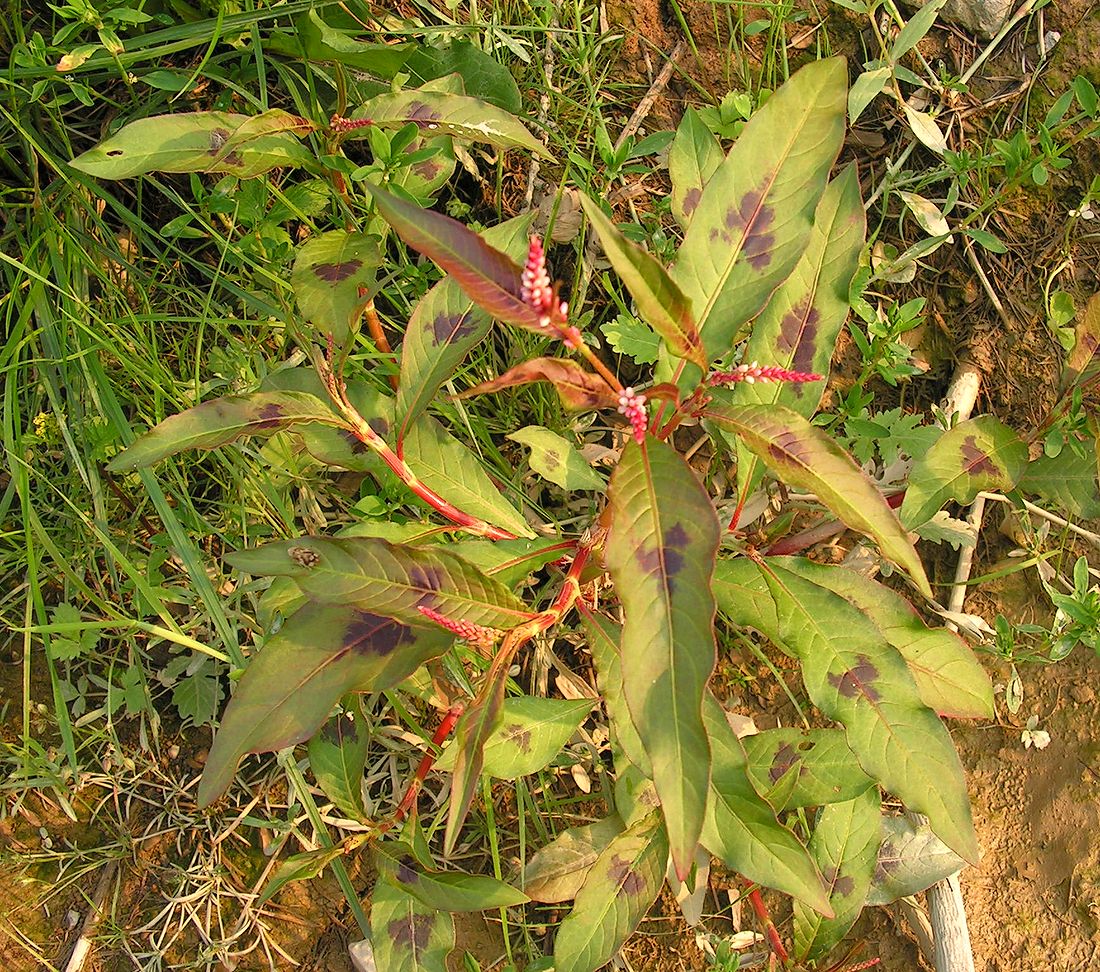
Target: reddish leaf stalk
428,760
765,919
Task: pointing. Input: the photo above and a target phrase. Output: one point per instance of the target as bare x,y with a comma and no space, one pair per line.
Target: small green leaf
221,421
1068,480
617,892
660,553
803,455
201,141
407,935
844,844
557,459
977,454
792,768
436,113
300,867
337,756
328,273
910,860
443,890
693,158
659,301
629,336
864,90
557,872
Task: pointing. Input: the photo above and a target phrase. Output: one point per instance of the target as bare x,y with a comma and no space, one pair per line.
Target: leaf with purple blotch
221,421
392,580
617,892
321,652
755,213
443,890
910,860
798,328
694,156
577,388
444,326
855,677
742,830
949,677
660,553
803,455
490,278
202,141
451,470
557,871
844,844
977,454
337,756
406,934
792,768
659,300
332,278
440,113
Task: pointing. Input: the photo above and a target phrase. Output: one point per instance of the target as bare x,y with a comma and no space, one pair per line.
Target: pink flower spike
476,634
752,373
535,287
633,407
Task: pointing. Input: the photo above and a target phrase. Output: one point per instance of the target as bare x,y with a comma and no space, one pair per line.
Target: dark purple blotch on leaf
788,448
428,169
784,759
752,221
335,272
336,730
520,736
691,199
622,874
423,116
379,426
406,870
667,559
268,417
355,444
888,862
842,884
447,328
369,634
411,931
426,578
858,680
976,461
798,339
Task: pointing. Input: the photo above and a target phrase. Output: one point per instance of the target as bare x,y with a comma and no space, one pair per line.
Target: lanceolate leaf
855,677
693,158
1069,480
1083,362
577,388
222,420
792,768
844,844
977,454
557,872
949,678
328,273
617,892
443,890
201,141
557,459
337,755
445,325
320,653
910,860
532,731
802,455
300,867
391,580
407,935
490,278
660,302
741,829
447,467
751,223
660,552
436,113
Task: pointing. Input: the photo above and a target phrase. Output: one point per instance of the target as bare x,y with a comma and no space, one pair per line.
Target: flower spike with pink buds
752,373
538,292
476,634
633,407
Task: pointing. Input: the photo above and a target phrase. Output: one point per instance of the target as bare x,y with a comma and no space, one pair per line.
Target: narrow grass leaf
321,652
660,553
844,844
407,935
693,158
977,454
390,580
436,113
803,455
221,421
659,300
741,829
556,872
754,215
617,892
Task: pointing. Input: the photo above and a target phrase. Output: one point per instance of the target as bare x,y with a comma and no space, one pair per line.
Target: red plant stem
736,518
589,355
427,761
772,932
